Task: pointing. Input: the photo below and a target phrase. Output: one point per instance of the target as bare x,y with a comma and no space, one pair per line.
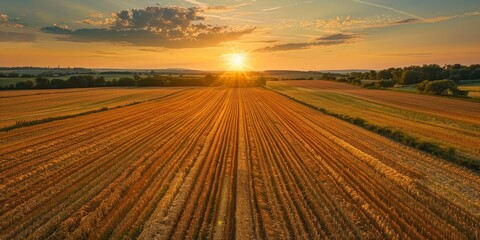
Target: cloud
285,6
261,41
151,50
446,18
169,27
337,37
225,8
3,18
349,23
16,37
6,21
407,54
328,40
388,8
231,18
406,21
196,3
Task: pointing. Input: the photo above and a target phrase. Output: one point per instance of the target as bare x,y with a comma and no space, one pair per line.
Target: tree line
430,78
417,74
89,81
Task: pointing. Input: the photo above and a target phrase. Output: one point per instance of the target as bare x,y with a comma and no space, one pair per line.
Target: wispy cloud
225,8
285,6
445,18
261,41
327,40
231,18
388,8
407,54
201,4
16,37
349,23
151,50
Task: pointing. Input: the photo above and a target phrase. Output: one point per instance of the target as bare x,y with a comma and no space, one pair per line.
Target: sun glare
236,61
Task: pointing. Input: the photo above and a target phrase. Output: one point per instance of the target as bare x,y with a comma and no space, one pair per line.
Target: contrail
230,18
389,8
290,5
196,3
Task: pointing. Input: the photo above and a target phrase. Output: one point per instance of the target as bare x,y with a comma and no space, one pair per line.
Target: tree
210,79
99,82
384,75
124,82
136,76
455,77
41,82
440,87
432,72
372,75
411,77
24,85
262,82
475,74
58,83
422,85
384,84
81,81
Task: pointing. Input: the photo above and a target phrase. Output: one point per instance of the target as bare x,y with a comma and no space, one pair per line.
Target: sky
273,34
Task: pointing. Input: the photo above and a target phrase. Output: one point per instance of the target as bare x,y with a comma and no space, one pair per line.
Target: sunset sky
274,34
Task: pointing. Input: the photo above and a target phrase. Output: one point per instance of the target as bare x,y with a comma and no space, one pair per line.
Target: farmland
224,163
7,81
39,104
448,122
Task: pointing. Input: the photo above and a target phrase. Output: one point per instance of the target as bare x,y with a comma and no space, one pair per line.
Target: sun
236,61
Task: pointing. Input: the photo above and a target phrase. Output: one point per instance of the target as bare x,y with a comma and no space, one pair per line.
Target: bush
41,82
440,87
370,85
356,81
384,84
411,77
459,93
58,83
155,81
421,87
126,82
24,85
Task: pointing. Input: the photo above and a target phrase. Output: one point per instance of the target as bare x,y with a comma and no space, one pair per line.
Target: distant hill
345,71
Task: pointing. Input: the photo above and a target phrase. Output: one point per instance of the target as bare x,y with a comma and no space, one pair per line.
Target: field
5,82
473,88
225,163
40,104
449,122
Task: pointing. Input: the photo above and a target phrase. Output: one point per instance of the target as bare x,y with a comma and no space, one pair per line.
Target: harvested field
446,121
223,163
25,105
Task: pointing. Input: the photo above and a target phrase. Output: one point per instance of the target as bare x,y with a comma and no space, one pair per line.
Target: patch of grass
447,153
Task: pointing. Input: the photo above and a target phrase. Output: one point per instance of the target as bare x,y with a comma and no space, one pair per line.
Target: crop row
226,163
